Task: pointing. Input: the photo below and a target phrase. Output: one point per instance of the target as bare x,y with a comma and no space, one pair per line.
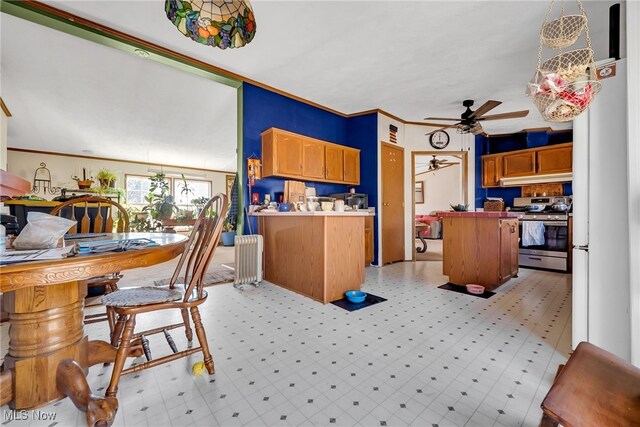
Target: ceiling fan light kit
564,85
218,23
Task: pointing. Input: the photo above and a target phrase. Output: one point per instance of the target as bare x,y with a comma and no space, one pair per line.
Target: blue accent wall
362,132
512,142
263,109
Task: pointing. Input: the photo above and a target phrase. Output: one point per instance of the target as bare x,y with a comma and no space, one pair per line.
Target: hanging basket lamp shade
218,23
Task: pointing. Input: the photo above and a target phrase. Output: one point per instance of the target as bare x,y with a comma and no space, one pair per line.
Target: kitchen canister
338,206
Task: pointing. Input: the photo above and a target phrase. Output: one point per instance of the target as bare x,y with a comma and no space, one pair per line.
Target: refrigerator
601,293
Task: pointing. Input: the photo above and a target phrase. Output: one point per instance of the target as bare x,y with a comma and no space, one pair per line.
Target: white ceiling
412,59
69,95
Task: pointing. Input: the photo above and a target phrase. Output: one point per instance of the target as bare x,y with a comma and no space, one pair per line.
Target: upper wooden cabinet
281,154
288,154
530,162
491,171
555,160
518,164
313,159
351,166
334,158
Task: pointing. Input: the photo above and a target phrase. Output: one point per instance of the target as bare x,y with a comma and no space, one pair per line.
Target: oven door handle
550,223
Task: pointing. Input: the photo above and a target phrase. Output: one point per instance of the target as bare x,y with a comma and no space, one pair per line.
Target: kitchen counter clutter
320,255
273,212
480,247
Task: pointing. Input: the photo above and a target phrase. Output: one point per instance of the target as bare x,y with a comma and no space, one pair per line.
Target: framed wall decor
419,192
230,179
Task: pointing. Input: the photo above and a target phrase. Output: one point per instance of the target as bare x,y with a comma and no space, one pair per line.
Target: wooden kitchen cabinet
288,154
368,240
491,171
508,249
352,166
313,159
518,163
334,158
281,154
480,249
550,159
555,160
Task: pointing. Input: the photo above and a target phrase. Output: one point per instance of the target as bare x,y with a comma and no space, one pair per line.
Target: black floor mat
463,290
352,306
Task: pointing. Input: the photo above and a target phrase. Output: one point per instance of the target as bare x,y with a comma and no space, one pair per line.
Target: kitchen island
320,255
480,247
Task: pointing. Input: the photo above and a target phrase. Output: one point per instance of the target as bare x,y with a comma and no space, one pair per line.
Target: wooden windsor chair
95,215
185,292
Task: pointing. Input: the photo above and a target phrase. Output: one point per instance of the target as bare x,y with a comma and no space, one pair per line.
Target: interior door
392,203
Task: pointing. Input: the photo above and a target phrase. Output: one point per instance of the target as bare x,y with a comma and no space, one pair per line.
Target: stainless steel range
551,251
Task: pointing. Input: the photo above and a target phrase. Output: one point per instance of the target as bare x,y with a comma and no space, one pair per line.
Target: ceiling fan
469,121
437,164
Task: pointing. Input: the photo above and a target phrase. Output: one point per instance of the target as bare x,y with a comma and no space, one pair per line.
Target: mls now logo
23,415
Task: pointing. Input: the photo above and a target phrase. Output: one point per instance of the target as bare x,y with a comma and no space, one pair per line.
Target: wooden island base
480,248
318,256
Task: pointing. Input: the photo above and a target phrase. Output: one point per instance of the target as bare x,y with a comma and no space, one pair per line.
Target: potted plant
107,178
160,204
84,182
186,191
228,232
199,203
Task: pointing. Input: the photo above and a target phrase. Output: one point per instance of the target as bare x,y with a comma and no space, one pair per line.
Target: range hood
536,179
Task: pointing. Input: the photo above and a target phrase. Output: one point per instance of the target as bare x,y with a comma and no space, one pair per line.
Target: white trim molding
633,147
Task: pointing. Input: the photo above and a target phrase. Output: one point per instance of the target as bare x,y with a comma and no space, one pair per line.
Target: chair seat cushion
141,296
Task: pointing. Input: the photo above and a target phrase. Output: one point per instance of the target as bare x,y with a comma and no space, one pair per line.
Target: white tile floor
425,357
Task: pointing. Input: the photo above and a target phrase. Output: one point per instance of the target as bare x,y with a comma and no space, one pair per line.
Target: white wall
24,165
3,140
633,147
442,188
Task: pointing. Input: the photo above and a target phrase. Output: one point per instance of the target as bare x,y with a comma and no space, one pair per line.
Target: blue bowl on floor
355,296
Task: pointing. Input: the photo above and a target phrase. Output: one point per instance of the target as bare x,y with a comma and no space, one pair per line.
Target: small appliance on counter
353,200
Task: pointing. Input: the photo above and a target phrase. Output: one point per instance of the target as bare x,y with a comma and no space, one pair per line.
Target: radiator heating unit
248,263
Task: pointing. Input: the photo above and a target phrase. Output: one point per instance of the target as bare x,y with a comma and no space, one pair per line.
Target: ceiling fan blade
511,115
485,108
441,118
436,124
442,128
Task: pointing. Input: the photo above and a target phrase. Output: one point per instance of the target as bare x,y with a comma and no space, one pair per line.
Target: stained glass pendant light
218,23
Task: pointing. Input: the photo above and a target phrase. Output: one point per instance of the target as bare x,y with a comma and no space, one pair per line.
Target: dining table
49,352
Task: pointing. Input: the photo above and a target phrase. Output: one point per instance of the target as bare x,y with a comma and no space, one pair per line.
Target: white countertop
269,212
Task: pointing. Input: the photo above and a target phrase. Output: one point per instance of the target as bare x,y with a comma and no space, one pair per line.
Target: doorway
440,179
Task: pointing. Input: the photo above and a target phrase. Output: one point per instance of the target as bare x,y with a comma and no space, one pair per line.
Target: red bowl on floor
475,289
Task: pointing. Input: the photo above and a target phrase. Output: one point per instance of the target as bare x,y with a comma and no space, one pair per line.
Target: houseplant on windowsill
228,232
186,192
106,178
199,203
160,204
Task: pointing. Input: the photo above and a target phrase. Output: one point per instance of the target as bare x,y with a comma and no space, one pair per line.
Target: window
137,187
197,189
